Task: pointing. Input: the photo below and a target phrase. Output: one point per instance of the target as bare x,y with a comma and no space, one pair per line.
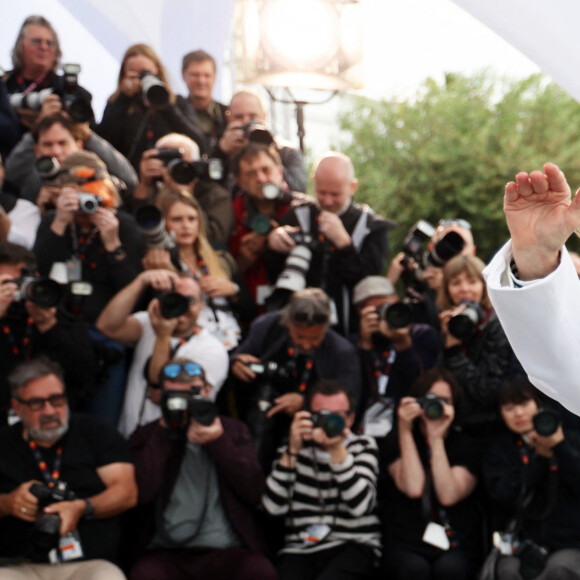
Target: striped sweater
316,492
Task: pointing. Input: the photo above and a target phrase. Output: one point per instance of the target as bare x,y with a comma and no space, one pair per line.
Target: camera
43,292
260,224
272,192
293,277
257,133
413,243
151,224
432,405
446,248
32,101
184,172
172,304
179,407
45,535
89,202
331,423
464,324
48,167
79,108
397,315
154,90
546,422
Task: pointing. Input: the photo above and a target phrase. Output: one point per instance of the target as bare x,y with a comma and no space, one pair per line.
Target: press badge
69,548
74,269
314,534
436,536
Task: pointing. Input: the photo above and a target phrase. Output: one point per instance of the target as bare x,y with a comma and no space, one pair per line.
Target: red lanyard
50,478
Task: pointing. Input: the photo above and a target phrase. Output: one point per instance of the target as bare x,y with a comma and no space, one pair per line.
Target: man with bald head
350,240
247,107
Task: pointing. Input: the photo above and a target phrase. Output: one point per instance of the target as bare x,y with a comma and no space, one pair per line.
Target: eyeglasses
37,403
173,370
307,318
36,41
463,223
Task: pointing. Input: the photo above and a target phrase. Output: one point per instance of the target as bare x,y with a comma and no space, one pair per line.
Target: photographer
324,484
142,109
156,175
55,137
64,479
432,527
246,123
35,324
209,533
36,58
531,473
393,351
350,241
158,335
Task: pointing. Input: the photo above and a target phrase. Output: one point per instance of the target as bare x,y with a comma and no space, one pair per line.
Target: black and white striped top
341,496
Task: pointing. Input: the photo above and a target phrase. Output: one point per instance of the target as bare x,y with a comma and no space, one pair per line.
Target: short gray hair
31,370
306,307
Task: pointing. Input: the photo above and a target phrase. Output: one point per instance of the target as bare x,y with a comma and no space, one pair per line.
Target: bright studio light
300,34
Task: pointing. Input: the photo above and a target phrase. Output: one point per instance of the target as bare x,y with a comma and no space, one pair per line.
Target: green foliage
449,151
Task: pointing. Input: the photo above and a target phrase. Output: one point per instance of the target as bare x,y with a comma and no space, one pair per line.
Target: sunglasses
307,318
463,223
38,403
173,370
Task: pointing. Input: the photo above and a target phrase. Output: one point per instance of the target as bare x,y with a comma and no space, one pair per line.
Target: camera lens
546,422
172,304
396,315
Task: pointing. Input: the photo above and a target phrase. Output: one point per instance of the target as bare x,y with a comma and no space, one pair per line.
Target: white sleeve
542,323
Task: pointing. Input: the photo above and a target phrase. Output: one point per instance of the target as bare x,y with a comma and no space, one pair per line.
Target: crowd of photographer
259,399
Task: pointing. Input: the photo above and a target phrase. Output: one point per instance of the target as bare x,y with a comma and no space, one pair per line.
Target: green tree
449,151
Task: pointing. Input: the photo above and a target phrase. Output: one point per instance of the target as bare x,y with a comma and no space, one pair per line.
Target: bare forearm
411,475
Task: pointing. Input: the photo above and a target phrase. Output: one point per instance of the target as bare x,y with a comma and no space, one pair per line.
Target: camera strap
293,355
52,477
25,342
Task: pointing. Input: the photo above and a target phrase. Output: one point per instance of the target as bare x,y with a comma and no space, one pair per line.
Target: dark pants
348,562
561,565
202,564
403,563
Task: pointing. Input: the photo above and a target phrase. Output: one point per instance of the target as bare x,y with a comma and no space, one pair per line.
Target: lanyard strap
53,477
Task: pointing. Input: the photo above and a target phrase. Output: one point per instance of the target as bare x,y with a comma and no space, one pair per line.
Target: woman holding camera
531,473
431,523
214,270
475,346
142,109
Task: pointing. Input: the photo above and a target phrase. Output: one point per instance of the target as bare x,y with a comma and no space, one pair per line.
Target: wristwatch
117,254
89,510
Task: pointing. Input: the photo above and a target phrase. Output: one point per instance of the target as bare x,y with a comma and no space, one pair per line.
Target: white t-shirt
202,348
24,221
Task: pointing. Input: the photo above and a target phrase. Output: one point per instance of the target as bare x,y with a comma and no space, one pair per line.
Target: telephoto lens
546,422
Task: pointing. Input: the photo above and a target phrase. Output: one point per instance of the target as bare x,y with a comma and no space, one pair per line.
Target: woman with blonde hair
215,270
135,118
475,346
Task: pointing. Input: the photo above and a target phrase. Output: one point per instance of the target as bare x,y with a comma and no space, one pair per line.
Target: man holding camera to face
64,479
199,481
167,328
324,484
332,244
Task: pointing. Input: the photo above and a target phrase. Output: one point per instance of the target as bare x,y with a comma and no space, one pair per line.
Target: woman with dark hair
431,523
215,270
531,473
133,121
475,346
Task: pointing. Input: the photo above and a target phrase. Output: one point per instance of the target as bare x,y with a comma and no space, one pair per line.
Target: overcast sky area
405,42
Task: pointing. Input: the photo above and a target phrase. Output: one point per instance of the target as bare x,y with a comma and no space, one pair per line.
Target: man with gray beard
64,479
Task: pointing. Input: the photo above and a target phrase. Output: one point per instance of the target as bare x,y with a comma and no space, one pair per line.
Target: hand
288,403
22,504
7,290
163,327
151,167
83,131
52,106
280,241
541,216
70,513
331,227
27,117
437,428
108,225
47,197
160,280
240,367
397,267
214,286
368,325
233,138
252,246
44,318
300,431
544,445
131,84
334,445
157,259
407,412
67,205
444,318
202,434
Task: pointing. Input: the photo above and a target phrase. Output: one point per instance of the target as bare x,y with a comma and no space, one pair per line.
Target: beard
50,434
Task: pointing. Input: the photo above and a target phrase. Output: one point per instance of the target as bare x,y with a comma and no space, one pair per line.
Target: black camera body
420,232
546,422
180,407
173,304
397,315
331,423
79,108
432,405
43,292
184,172
257,133
464,325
